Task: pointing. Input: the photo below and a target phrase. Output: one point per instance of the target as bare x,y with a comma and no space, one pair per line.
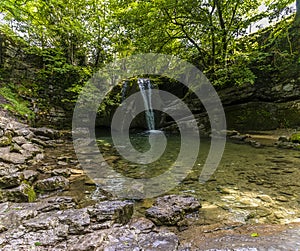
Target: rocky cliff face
262,107
23,68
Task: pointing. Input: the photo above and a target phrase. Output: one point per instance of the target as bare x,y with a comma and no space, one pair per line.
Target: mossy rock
5,141
22,193
295,138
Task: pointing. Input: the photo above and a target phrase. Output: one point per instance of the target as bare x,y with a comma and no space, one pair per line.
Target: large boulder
171,209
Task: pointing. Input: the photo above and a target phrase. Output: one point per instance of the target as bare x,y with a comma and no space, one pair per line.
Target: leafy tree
202,31
79,28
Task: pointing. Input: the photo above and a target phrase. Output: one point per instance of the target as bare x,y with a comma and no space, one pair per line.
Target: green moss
5,141
37,244
30,192
16,104
295,138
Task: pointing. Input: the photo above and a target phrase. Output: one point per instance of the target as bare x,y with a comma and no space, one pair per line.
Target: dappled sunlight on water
250,185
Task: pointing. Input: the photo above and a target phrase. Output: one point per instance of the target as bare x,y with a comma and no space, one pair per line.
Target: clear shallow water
250,185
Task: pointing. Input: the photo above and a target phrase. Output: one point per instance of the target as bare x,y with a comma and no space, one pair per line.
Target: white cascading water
145,88
124,89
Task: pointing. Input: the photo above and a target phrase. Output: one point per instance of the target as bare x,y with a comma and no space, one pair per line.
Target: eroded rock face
171,209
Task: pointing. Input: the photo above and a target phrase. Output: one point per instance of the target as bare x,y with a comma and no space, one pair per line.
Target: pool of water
256,185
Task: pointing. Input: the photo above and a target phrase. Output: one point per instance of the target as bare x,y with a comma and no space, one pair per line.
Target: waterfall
145,88
124,89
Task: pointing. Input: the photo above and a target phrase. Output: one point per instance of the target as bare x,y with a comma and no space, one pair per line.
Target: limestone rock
20,140
171,209
65,172
45,132
30,175
86,242
41,222
76,219
21,193
13,214
39,142
114,211
11,180
126,239
52,184
14,158
31,148
57,203
23,132
142,225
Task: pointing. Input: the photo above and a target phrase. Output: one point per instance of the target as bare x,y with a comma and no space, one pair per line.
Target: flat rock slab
13,158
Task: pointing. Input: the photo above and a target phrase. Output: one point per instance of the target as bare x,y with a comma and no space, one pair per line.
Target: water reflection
250,184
